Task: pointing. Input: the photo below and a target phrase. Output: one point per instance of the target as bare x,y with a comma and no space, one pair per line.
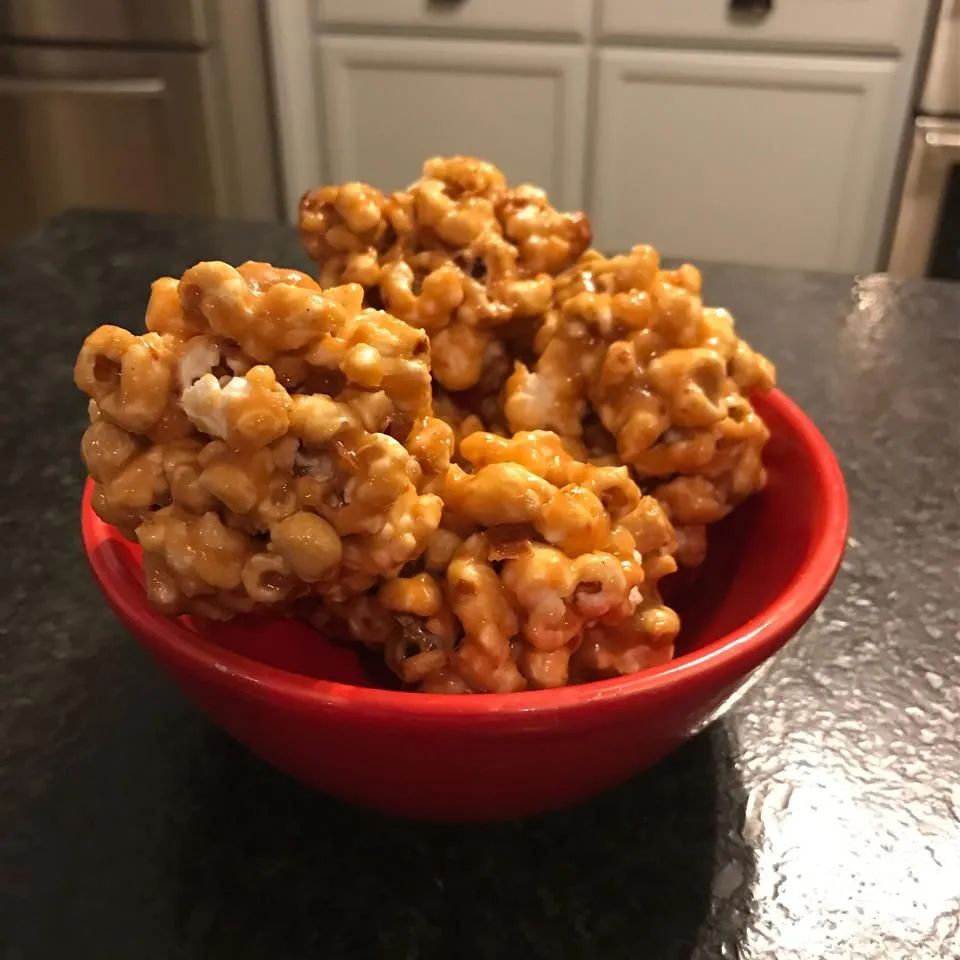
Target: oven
926,237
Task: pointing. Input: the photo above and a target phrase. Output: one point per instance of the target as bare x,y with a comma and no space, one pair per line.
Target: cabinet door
777,160
392,102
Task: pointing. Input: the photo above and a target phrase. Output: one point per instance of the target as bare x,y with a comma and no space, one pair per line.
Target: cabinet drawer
878,25
544,18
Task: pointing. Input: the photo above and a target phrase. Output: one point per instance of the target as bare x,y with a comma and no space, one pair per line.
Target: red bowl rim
762,634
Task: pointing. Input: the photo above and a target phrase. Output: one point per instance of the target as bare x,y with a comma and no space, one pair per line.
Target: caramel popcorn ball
631,362
458,254
248,440
543,571
474,446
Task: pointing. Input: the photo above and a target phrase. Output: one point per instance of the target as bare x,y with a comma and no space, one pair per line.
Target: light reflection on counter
877,885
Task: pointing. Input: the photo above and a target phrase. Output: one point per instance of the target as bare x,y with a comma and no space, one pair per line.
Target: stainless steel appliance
158,105
926,238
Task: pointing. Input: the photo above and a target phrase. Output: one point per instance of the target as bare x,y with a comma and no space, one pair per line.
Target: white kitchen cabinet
771,140
751,158
389,102
533,18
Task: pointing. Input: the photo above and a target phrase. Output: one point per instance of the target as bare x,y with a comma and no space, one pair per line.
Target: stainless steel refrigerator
159,105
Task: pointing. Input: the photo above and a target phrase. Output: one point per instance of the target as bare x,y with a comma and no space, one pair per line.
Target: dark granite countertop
820,819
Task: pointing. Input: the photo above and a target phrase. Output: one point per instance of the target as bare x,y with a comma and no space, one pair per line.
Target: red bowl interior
320,711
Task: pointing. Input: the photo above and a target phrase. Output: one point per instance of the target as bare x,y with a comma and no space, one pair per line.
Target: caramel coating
245,492
534,551
458,254
309,545
548,240
128,377
276,321
667,378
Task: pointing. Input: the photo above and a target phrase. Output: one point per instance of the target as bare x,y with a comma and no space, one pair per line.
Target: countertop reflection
820,819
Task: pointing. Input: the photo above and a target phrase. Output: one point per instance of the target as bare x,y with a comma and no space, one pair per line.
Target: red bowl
312,709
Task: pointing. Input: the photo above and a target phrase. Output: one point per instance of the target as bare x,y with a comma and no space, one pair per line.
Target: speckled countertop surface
821,819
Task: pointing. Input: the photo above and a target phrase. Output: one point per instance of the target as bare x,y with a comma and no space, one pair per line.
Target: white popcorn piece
206,403
200,356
